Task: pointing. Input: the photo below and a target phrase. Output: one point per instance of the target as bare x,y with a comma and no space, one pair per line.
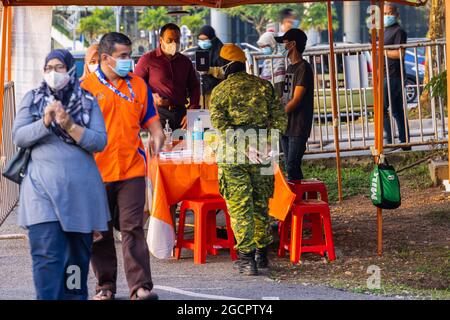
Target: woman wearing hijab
90,60
269,46
207,40
62,197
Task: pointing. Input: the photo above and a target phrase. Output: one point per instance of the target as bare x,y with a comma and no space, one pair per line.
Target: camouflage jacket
244,101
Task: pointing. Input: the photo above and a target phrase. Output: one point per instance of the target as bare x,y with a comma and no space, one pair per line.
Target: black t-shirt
395,35
300,119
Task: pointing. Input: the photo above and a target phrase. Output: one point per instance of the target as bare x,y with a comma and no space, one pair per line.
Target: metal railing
426,119
9,191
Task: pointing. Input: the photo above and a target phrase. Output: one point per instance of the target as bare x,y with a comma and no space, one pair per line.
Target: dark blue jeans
397,110
60,262
294,148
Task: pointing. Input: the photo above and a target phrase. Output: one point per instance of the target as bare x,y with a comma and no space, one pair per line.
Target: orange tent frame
377,55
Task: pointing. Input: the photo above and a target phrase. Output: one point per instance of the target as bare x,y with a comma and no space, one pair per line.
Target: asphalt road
174,280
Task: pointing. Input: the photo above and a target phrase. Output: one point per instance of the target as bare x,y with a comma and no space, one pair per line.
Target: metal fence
426,118
9,191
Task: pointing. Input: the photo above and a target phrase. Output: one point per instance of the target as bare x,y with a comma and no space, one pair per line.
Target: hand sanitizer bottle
197,139
168,135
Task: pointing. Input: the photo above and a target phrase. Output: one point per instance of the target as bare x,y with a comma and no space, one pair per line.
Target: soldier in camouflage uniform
243,101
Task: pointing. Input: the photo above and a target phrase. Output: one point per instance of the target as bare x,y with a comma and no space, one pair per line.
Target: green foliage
101,21
154,18
194,20
261,15
438,86
315,17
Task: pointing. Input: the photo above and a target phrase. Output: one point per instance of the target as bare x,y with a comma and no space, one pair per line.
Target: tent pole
380,114
2,68
375,72
447,36
9,34
334,99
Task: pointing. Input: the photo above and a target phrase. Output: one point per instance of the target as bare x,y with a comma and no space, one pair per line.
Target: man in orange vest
127,106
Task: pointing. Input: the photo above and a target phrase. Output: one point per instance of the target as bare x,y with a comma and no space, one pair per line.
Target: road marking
270,298
194,294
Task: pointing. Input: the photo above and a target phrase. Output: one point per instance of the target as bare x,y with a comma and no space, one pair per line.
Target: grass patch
356,172
355,180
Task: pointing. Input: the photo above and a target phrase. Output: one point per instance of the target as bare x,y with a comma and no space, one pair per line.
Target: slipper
104,294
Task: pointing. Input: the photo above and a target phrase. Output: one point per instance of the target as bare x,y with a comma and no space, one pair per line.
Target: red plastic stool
309,189
322,211
205,238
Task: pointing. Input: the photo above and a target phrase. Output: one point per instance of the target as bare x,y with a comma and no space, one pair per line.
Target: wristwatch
72,127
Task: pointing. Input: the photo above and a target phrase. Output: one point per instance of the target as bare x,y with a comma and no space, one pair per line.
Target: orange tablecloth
173,182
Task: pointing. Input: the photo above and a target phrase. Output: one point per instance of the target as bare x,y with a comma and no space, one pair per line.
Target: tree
261,15
101,21
315,17
154,18
435,31
194,20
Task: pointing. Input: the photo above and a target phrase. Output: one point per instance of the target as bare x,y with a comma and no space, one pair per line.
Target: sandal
149,295
104,294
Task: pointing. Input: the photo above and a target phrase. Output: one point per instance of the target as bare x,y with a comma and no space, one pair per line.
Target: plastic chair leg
329,236
296,237
200,238
180,235
230,236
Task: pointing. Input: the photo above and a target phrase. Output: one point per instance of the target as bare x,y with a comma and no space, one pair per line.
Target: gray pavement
174,280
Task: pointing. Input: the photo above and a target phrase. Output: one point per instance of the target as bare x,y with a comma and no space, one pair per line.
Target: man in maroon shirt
172,78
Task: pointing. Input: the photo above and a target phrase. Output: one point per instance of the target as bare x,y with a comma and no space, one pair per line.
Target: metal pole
10,17
447,36
334,98
118,11
380,115
2,68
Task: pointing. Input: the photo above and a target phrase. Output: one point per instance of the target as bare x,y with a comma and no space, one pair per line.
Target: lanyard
113,89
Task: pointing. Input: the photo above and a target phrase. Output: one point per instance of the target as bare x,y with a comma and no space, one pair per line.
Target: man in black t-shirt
394,35
298,97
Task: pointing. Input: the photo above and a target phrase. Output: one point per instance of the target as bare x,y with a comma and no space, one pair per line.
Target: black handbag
16,168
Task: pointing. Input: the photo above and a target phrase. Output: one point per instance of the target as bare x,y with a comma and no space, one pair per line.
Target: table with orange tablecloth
174,181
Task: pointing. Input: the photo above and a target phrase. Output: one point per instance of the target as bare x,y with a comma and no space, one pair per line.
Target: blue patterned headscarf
70,96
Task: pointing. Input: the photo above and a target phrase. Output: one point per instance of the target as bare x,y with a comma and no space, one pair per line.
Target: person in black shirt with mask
207,40
298,97
394,35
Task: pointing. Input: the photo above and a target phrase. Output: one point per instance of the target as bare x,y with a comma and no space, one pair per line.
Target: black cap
296,35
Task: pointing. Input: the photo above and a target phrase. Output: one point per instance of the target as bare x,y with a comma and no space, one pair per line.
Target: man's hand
49,113
184,122
160,101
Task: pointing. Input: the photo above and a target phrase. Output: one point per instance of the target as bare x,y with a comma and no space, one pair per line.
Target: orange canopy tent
377,53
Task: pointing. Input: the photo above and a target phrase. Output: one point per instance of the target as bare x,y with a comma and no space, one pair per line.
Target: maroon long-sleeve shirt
175,78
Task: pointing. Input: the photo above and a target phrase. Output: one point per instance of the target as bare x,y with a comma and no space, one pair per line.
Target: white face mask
56,80
170,48
92,67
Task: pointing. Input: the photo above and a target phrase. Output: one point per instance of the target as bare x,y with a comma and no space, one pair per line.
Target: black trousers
294,148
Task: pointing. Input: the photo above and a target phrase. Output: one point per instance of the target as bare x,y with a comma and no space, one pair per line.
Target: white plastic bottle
168,135
197,140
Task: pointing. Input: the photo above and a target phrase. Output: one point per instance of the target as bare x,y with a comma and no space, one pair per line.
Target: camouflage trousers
247,194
